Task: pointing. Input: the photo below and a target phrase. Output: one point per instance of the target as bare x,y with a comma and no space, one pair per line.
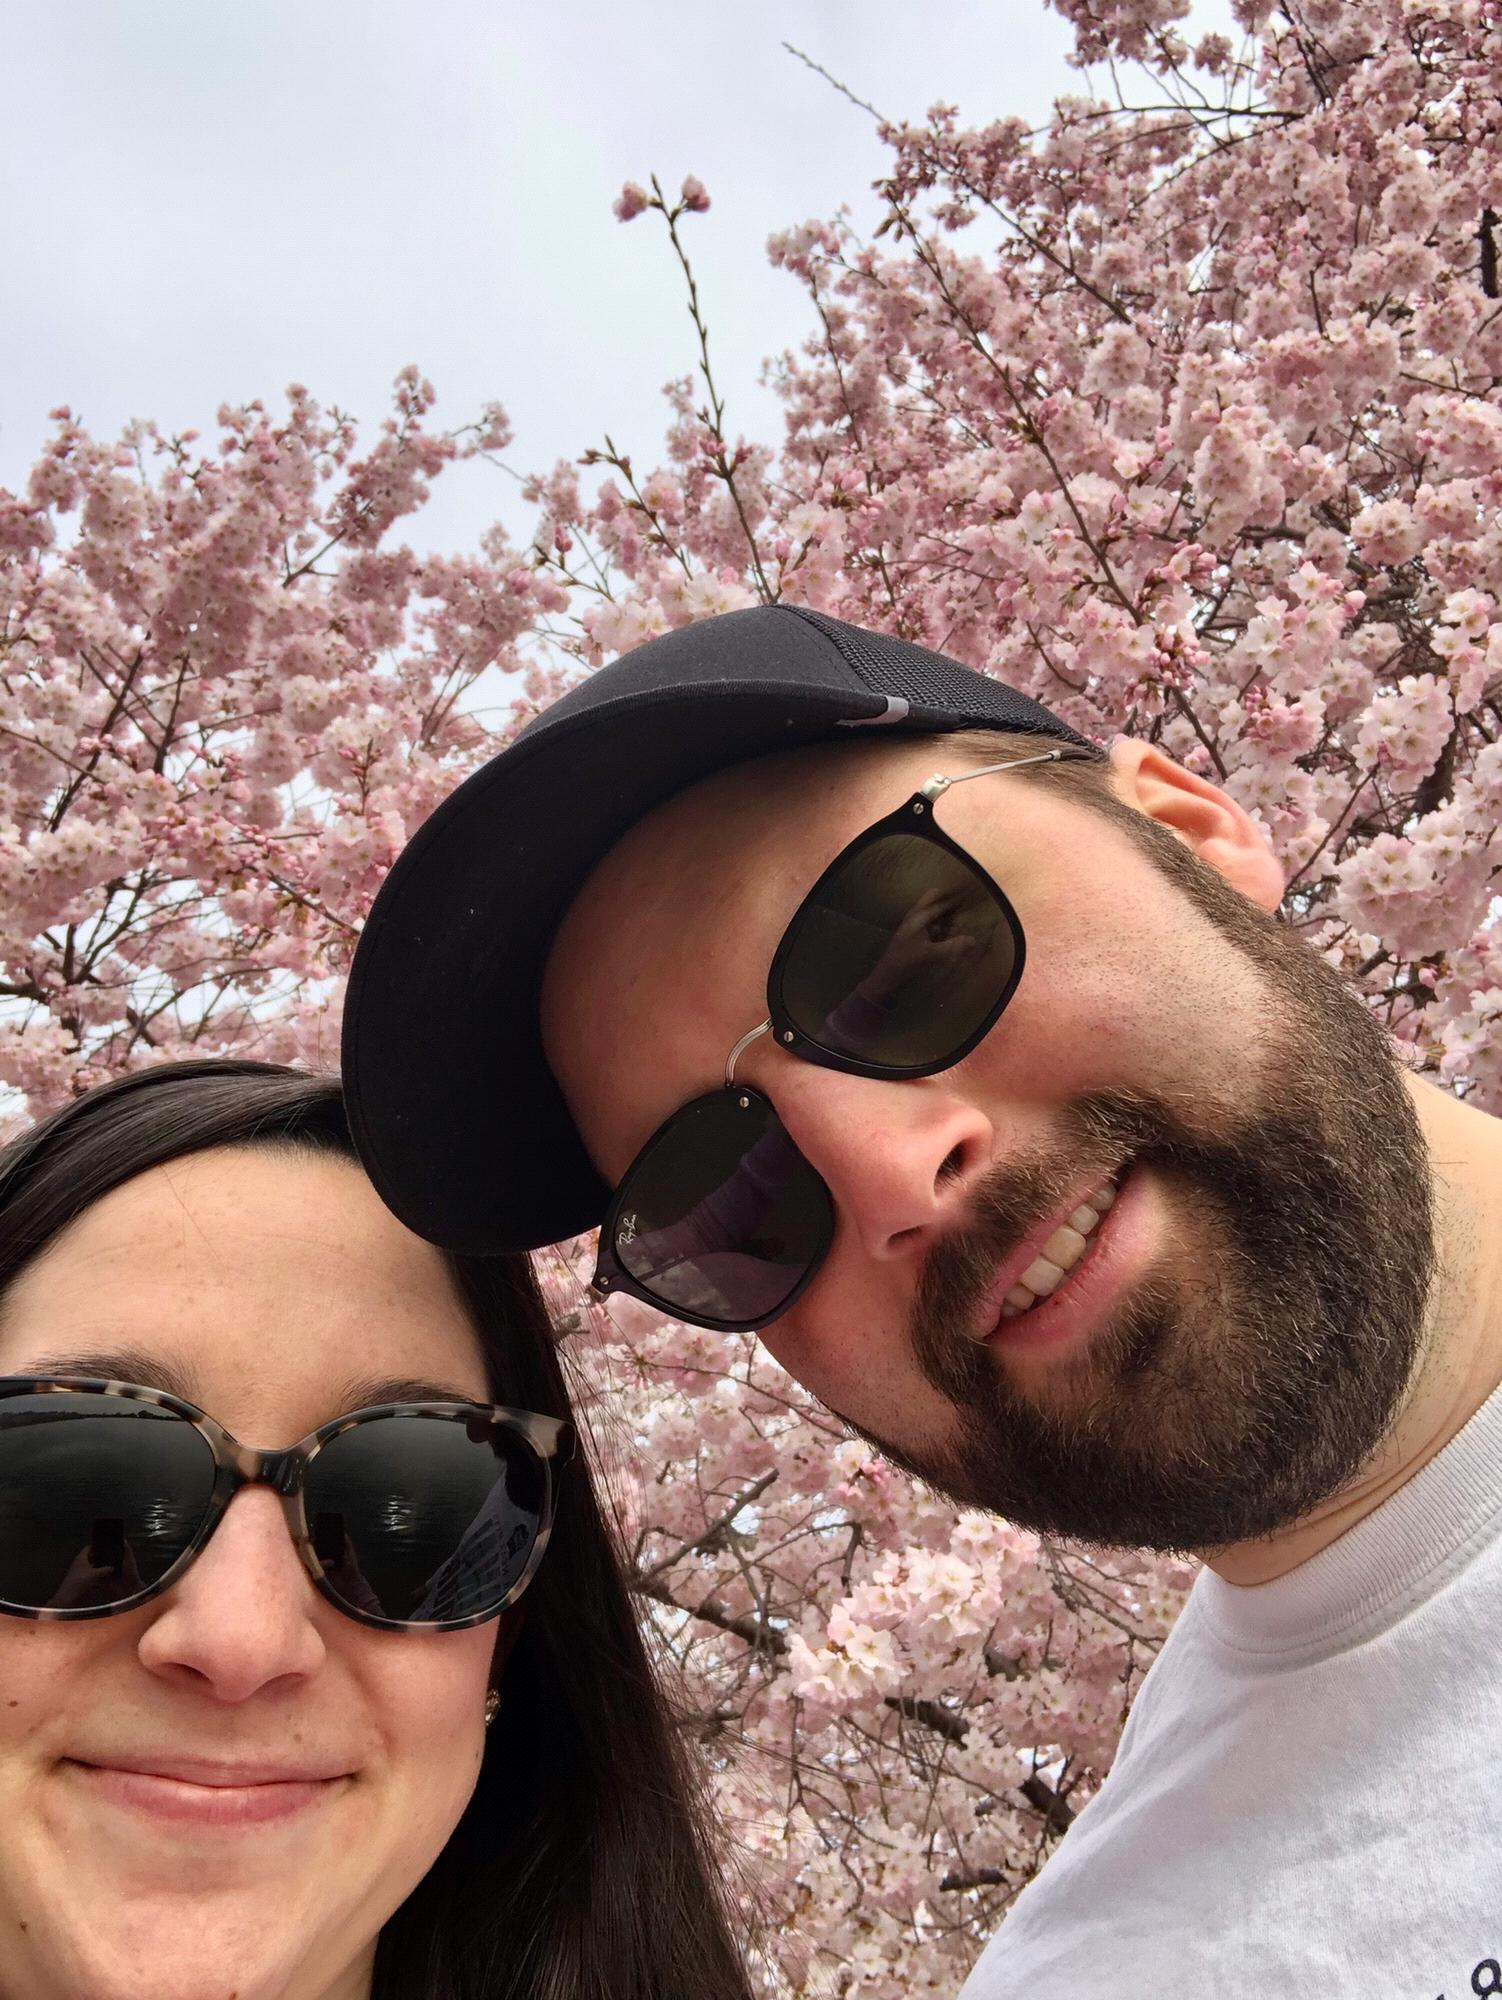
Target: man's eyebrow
124,1364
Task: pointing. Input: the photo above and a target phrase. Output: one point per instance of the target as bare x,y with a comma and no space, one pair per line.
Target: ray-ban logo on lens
626,1229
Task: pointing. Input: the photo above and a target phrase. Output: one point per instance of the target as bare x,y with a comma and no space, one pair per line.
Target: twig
711,1535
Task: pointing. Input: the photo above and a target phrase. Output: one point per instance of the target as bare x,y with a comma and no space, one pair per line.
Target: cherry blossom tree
1181,412
224,706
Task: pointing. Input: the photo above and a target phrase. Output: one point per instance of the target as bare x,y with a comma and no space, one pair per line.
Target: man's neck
1461,1364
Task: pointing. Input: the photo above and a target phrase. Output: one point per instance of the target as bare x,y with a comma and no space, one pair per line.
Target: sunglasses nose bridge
280,1470
242,1465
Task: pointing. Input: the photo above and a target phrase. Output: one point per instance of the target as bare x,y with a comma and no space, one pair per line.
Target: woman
348,1760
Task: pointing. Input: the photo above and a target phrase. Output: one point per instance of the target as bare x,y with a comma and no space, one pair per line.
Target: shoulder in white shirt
1307,1799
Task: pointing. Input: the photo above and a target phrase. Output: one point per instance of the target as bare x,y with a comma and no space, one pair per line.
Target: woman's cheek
432,1690
51,1677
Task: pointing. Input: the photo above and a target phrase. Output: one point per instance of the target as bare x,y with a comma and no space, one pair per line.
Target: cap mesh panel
928,680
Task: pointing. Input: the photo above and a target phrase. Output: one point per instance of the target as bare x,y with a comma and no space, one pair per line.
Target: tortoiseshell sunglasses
412,1517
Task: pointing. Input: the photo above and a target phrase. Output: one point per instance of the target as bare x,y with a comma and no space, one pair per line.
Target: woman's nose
901,1159
245,1615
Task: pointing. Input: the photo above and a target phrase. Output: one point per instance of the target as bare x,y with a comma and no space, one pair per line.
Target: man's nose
243,1616
901,1158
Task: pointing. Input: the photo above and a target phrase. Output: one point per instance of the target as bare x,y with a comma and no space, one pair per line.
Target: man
864,1003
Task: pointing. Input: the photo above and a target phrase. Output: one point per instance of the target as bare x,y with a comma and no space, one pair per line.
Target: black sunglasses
408,1516
900,959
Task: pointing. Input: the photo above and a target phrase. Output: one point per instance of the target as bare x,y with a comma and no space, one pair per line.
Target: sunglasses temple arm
938,785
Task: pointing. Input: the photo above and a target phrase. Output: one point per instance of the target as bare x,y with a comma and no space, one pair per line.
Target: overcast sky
208,199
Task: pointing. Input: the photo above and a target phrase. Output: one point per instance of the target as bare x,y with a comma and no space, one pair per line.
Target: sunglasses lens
901,956
722,1218
99,1497
425,1519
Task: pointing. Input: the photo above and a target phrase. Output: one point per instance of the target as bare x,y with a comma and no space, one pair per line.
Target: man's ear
1207,820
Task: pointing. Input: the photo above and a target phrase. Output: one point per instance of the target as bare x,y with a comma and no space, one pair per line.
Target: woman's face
279,1292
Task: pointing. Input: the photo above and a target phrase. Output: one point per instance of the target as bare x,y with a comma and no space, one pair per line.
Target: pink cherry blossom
630,202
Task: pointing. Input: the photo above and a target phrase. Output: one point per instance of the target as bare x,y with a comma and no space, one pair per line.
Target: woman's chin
186,1947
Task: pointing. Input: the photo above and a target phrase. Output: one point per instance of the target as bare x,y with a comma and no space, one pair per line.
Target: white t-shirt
1307,1800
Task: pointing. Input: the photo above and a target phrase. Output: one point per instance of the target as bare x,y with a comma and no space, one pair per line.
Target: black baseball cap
455,1112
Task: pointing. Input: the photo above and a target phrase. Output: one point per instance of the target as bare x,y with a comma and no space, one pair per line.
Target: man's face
1233,1335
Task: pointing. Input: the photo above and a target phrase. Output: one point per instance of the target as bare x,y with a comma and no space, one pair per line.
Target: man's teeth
1059,1254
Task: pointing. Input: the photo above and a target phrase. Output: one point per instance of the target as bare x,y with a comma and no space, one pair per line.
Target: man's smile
1077,1266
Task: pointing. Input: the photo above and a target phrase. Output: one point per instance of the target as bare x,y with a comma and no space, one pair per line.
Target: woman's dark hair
580,1869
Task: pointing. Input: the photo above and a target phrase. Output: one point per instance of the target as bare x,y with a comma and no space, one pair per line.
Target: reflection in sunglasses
488,1560
105,1570
874,979
723,1243
490,1557
341,1568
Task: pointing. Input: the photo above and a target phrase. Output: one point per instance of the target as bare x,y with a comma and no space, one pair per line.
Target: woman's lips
212,1796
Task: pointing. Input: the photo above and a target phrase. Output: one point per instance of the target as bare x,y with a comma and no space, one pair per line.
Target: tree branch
710,1538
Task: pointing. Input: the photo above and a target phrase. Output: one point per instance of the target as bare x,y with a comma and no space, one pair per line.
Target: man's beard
1249,1378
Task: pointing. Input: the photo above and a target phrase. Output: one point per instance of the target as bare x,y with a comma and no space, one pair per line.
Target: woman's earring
492,1706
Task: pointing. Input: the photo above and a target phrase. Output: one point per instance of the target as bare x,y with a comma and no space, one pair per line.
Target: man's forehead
771,804
768,826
